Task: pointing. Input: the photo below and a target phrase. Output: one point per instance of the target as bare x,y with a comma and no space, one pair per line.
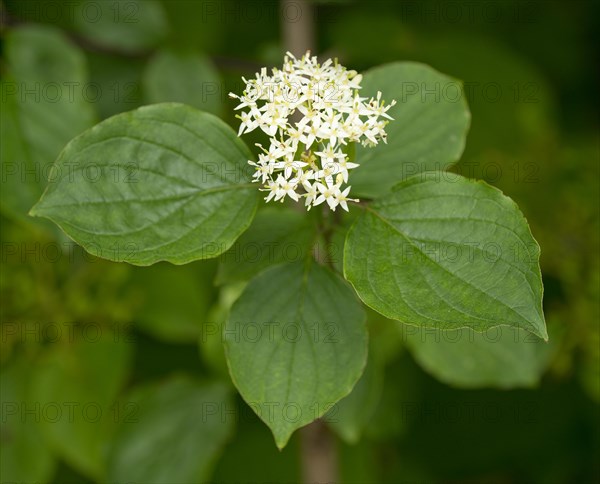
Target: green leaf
161,182
431,120
24,456
173,301
352,414
276,235
502,357
43,108
296,343
128,26
447,252
177,433
76,386
185,77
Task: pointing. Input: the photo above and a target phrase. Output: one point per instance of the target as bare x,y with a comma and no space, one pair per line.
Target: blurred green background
85,340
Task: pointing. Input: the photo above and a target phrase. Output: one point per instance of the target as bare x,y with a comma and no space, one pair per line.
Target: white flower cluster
311,112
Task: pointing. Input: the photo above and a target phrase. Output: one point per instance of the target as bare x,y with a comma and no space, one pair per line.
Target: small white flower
312,192
289,167
285,187
343,166
303,177
330,155
342,198
310,111
248,123
272,187
329,194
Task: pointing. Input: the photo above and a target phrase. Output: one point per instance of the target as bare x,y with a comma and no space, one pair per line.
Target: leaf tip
540,329
33,211
281,440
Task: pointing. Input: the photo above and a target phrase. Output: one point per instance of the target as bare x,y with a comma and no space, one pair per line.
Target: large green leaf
24,455
447,252
296,343
76,386
501,357
428,132
276,235
43,108
178,432
185,77
162,182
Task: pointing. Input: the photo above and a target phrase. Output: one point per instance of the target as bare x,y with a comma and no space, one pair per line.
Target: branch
319,454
